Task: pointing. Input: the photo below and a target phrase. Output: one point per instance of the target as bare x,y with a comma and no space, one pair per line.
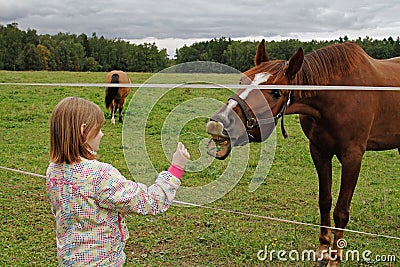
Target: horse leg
351,165
120,114
323,163
112,114
121,107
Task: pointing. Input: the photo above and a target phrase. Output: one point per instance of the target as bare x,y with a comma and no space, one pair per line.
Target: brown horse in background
115,96
341,123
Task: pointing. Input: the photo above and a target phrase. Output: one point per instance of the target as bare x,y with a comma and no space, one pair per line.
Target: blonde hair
67,143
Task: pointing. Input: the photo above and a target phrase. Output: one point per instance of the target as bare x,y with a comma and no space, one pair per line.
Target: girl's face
94,143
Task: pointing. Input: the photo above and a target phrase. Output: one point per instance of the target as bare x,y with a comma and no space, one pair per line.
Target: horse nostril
219,119
216,128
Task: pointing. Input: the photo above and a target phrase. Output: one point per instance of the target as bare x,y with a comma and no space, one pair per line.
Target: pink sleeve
176,171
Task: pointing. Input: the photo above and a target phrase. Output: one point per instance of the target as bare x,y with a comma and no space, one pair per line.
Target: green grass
183,236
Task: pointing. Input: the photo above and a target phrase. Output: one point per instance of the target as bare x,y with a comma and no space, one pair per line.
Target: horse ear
295,63
261,55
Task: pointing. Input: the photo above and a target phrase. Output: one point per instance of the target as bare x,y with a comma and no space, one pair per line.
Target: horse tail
112,92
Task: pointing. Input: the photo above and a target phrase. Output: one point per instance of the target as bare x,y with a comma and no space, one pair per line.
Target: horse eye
276,93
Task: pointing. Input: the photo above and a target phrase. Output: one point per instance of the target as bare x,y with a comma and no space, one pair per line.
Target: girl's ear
83,126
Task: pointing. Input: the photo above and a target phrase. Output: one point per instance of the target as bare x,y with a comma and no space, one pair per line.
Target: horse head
252,114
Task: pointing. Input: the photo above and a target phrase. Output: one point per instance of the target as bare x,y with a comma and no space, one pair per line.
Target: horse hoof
112,121
322,263
322,253
333,264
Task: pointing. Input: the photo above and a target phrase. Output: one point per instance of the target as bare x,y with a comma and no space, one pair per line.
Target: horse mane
328,63
321,66
324,64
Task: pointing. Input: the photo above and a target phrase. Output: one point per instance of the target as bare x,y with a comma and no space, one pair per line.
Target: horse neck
303,105
303,101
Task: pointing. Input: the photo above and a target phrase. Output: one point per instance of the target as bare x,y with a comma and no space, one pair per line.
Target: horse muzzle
223,137
219,145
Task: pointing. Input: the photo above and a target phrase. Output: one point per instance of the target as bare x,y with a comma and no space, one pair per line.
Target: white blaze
259,78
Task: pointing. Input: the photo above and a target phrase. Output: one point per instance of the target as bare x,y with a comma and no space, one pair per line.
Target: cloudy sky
172,23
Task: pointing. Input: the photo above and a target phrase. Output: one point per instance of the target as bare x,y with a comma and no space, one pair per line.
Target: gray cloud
182,19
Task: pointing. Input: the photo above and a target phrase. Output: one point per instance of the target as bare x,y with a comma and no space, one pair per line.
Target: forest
27,50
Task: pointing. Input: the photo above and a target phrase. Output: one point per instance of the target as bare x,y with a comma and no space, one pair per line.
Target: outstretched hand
181,156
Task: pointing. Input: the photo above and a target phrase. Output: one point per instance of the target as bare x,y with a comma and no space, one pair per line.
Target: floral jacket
88,200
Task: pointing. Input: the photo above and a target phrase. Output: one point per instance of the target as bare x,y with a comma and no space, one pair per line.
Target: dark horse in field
341,123
115,96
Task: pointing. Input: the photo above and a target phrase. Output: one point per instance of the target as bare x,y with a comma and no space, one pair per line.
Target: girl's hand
181,156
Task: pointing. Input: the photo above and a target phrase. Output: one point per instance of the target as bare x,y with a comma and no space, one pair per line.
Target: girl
88,197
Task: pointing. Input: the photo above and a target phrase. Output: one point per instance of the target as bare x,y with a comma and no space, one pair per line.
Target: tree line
240,54
28,50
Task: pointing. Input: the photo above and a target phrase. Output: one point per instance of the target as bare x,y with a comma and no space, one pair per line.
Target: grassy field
184,236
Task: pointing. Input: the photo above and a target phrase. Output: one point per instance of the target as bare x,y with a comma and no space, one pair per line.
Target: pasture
185,236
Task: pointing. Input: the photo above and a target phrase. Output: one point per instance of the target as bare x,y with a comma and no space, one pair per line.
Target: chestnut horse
115,96
341,123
